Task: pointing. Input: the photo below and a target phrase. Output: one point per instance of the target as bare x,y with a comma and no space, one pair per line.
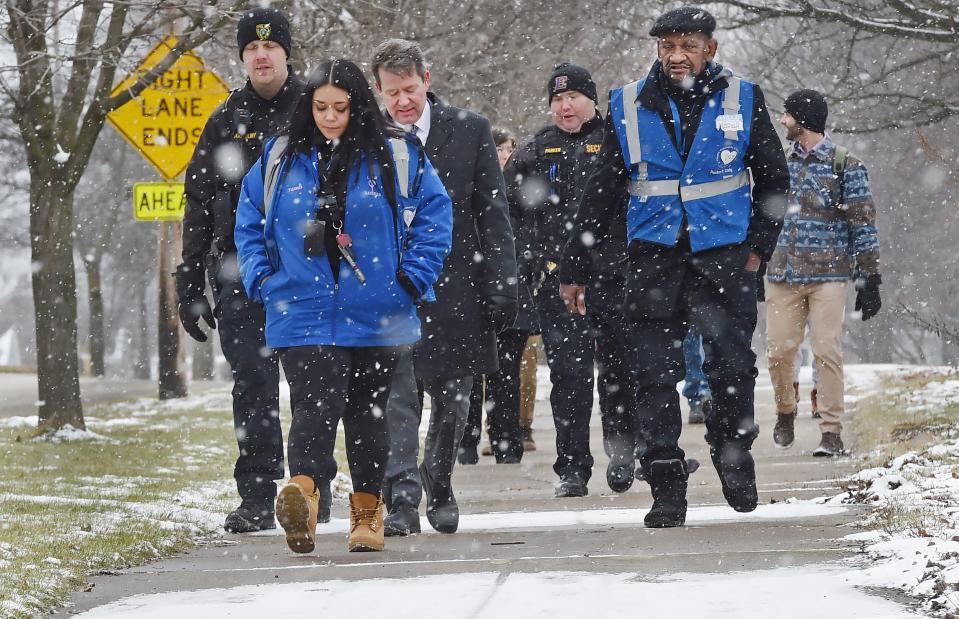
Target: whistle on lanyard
345,244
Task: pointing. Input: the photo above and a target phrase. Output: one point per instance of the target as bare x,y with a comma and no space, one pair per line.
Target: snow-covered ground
827,592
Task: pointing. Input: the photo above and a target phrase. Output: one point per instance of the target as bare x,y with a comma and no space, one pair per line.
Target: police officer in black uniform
229,145
545,179
692,151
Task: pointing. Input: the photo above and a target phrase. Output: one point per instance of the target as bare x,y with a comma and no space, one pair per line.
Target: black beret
682,20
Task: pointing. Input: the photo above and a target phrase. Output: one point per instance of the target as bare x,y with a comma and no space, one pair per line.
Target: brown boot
830,445
296,511
366,522
796,390
784,433
487,450
814,397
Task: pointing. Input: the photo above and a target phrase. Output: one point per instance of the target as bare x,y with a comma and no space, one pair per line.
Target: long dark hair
365,135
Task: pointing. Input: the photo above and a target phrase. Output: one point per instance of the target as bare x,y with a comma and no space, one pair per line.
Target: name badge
729,122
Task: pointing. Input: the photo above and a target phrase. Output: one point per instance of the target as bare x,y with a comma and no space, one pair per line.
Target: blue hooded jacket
304,304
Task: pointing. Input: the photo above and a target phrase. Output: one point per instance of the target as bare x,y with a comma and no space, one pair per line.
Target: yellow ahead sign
164,123
158,201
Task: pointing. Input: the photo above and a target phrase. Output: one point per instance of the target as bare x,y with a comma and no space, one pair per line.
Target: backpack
839,171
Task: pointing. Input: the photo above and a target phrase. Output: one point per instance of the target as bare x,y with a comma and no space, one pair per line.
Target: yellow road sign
158,201
165,121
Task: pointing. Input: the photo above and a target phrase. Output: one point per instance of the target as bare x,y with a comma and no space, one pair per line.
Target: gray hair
397,56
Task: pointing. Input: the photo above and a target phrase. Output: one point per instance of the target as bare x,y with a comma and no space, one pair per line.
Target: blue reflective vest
711,187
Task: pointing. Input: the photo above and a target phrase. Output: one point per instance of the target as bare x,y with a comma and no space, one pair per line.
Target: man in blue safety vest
692,151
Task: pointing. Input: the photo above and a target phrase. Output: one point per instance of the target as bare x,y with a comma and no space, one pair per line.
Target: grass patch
154,479
900,418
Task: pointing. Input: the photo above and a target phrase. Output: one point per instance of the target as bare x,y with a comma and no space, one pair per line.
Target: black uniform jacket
606,193
230,144
458,339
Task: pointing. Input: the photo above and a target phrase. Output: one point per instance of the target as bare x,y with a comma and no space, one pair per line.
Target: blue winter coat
304,304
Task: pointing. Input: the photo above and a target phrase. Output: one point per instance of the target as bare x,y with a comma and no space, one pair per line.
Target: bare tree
68,58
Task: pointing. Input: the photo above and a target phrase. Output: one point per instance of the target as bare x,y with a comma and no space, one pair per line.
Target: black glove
867,296
407,284
191,301
502,312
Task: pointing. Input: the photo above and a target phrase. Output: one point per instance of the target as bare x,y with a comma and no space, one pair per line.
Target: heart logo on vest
728,155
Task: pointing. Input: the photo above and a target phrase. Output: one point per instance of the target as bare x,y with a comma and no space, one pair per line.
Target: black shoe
442,512
668,480
784,434
620,474
326,503
830,445
737,472
692,465
402,521
250,517
698,410
571,485
467,455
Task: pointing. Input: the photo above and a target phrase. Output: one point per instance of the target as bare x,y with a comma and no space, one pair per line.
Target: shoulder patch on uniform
593,148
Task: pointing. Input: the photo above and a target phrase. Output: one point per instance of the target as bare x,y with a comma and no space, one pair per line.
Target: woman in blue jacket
341,229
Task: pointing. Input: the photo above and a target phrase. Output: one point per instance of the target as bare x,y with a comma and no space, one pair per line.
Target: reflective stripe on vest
630,94
647,189
731,104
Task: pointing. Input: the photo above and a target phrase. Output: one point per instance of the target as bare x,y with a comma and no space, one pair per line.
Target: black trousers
667,289
330,382
616,365
256,407
502,396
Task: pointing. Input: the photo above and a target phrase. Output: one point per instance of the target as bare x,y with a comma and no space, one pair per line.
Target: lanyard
678,128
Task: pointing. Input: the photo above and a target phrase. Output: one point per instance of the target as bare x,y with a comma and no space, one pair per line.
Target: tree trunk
169,343
95,301
55,303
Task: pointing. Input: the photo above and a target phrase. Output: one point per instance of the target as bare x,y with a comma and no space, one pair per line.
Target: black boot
251,516
442,512
667,480
737,472
326,502
467,454
403,520
620,472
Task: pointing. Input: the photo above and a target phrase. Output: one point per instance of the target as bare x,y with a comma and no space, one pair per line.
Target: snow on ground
828,592
551,520
913,541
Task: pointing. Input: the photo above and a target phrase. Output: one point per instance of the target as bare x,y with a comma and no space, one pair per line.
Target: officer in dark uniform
692,152
229,145
545,179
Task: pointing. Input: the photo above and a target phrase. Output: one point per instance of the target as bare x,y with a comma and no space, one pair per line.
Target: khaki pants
527,382
787,308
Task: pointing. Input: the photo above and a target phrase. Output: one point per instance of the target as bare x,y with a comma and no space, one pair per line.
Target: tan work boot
528,443
366,522
296,511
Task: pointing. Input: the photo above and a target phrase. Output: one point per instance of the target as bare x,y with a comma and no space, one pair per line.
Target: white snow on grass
551,520
913,541
828,592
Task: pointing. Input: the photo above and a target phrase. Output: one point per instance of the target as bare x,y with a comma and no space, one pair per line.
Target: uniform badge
728,155
560,82
592,149
263,31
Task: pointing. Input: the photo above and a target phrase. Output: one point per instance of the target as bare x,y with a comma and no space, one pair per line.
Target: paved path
517,540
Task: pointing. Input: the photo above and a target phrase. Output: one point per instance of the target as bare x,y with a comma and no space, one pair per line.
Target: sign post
164,124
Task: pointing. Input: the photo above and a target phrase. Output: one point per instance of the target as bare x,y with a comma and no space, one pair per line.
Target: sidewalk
521,550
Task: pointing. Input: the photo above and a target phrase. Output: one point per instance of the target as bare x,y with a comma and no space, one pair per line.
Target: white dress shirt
423,124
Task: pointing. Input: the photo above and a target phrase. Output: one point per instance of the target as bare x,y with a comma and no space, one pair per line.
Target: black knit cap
264,25
683,20
569,76
809,109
